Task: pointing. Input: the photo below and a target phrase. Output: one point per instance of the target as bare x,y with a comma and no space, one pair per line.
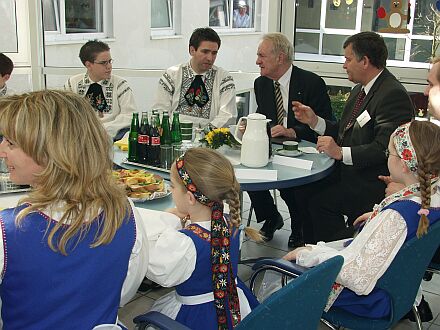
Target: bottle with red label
143,139
154,146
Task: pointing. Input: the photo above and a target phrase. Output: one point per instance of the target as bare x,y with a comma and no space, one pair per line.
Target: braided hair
425,137
213,174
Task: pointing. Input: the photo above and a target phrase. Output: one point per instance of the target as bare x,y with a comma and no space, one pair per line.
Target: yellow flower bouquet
218,137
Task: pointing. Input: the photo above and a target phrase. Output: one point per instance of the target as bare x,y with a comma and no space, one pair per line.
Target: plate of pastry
141,185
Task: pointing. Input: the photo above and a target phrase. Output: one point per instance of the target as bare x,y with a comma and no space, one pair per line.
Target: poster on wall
8,27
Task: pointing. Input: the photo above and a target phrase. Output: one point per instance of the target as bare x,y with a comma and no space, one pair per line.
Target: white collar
285,78
370,84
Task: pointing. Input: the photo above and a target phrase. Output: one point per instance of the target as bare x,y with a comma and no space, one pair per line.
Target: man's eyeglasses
110,61
388,154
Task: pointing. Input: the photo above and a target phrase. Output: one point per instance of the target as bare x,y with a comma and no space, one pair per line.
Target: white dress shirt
321,125
284,82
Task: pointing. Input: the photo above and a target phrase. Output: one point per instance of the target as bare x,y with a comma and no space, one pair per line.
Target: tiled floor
277,248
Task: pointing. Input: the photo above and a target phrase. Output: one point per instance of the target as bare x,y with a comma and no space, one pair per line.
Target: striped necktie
279,103
357,106
353,116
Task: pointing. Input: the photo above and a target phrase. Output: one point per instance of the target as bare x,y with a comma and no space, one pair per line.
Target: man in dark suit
290,83
375,107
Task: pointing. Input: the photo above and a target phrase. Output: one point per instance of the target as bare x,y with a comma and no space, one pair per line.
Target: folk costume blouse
182,259
118,96
113,271
221,108
372,251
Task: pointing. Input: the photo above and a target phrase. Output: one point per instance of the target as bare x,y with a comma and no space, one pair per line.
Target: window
8,25
232,15
164,18
323,25
76,19
242,101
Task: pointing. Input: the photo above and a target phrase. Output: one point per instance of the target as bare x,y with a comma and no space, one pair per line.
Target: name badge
363,118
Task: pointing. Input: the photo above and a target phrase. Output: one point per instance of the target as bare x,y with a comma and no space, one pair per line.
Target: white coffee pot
255,142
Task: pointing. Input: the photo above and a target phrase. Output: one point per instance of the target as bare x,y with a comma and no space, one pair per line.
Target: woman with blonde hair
201,259
74,242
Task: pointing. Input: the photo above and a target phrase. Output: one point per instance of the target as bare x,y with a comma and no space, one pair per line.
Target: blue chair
401,281
297,305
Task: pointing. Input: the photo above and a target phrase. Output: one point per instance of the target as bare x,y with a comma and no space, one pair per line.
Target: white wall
142,59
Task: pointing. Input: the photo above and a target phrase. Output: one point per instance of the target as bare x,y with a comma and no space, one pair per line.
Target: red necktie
357,106
354,113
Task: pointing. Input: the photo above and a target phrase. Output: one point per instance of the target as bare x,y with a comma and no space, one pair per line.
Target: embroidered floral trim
224,286
187,78
404,146
199,232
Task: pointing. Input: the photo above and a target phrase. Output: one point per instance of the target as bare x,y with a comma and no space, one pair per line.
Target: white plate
153,196
288,153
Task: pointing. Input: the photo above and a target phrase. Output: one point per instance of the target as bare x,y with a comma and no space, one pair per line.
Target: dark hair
91,49
6,65
371,45
203,34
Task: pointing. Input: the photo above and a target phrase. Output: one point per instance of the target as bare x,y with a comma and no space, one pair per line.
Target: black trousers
325,203
265,207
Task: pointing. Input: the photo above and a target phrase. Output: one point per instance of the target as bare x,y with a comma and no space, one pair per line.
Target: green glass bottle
165,138
133,138
176,132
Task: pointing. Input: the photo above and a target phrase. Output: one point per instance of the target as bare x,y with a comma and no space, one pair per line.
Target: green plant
338,103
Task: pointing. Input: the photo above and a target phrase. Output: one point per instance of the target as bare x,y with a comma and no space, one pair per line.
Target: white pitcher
255,142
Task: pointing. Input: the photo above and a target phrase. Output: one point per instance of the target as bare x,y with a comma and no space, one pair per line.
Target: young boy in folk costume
109,94
201,259
414,161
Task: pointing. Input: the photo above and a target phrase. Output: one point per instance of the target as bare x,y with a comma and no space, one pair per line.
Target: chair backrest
300,303
402,279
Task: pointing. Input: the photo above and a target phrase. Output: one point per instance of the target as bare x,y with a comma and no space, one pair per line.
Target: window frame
61,35
174,14
319,57
253,15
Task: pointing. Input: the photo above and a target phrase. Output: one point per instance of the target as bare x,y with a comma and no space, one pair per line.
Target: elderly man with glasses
110,95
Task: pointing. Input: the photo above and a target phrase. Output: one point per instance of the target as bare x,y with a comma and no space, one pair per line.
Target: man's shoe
295,241
424,311
270,226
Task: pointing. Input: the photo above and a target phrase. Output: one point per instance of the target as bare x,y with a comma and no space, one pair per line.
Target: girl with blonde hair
414,161
74,242
201,259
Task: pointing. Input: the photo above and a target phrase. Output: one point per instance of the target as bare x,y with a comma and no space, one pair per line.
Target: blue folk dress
195,296
377,304
43,289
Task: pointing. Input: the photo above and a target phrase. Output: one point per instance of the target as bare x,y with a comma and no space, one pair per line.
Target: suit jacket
389,106
305,87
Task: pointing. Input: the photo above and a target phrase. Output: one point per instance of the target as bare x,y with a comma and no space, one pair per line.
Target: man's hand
280,130
328,145
304,114
392,186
